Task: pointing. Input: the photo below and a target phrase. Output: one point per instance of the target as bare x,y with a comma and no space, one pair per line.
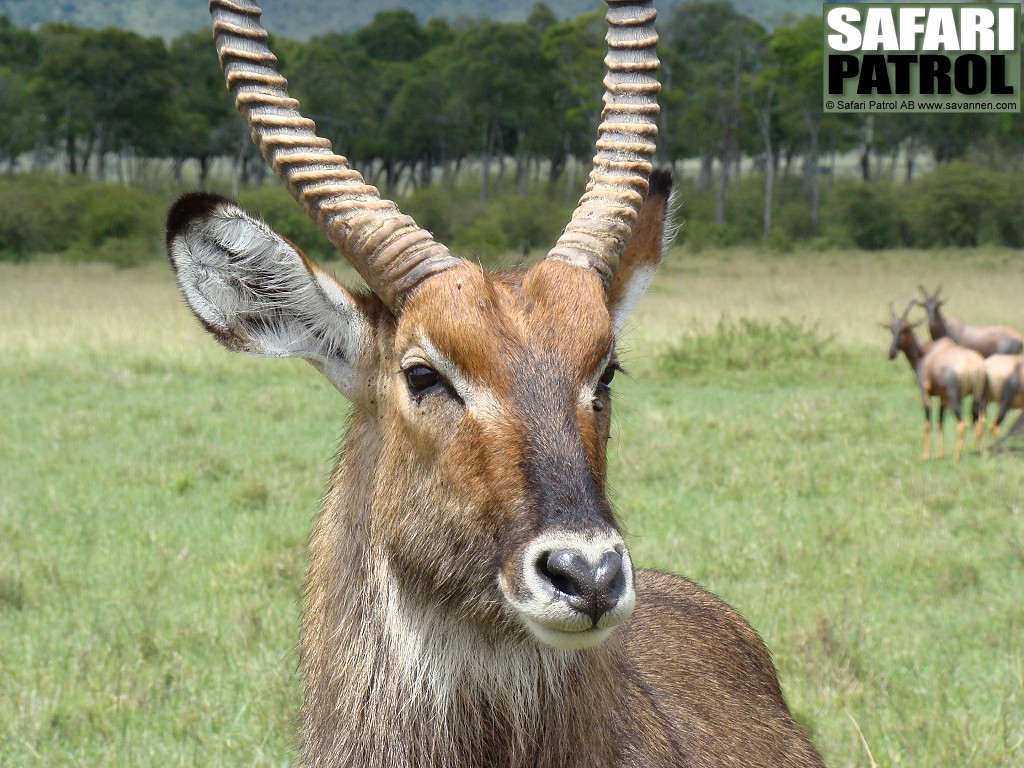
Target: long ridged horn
385,246
603,222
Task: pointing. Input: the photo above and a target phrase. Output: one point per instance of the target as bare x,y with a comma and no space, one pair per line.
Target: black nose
593,590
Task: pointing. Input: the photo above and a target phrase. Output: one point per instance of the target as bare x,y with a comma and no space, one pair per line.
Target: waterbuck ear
651,237
256,293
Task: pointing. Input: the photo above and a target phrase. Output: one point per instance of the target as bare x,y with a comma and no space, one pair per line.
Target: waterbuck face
484,402
496,409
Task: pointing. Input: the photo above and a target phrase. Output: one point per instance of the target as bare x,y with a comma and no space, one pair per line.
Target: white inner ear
634,288
254,291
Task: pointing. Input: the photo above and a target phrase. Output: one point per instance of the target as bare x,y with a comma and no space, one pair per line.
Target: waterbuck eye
421,378
609,374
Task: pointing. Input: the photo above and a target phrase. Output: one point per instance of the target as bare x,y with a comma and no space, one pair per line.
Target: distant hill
301,19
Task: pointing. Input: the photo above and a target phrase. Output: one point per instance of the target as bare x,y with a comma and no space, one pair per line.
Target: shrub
869,214
13,237
433,209
699,235
531,221
1005,211
34,216
103,212
792,218
779,350
951,206
75,217
482,240
122,252
958,204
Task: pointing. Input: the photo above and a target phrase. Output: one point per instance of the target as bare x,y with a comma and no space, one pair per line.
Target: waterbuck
470,600
984,339
1005,378
944,370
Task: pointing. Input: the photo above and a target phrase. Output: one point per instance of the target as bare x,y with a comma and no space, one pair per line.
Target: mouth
567,639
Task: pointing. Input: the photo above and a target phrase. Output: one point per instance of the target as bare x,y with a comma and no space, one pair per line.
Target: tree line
408,101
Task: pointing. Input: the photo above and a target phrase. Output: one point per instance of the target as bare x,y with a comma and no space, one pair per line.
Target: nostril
608,575
566,569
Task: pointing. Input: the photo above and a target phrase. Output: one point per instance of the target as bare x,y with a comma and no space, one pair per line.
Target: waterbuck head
473,477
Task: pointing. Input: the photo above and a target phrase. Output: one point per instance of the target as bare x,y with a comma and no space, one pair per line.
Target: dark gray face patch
560,482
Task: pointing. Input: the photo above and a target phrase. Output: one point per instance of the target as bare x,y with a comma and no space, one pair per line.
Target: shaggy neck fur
390,682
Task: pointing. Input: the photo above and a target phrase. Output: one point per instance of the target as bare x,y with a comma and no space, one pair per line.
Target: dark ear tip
660,183
189,207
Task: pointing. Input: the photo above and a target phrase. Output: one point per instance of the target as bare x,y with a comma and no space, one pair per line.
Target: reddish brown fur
413,653
686,682
1005,380
943,370
470,600
643,251
987,340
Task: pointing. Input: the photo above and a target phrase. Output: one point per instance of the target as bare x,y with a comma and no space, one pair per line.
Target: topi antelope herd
981,362
470,600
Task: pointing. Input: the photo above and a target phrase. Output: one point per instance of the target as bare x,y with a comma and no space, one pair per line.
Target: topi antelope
470,600
986,340
943,370
1005,376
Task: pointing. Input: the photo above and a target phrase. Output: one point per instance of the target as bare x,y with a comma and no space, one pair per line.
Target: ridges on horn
386,247
602,223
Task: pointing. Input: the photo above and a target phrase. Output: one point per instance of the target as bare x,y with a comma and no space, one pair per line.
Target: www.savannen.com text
914,105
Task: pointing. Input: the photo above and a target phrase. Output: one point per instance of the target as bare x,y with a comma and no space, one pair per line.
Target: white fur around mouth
565,639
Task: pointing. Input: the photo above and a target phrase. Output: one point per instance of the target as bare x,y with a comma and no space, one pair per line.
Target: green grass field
156,492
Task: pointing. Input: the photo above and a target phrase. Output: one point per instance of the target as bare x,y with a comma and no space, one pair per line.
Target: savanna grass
156,492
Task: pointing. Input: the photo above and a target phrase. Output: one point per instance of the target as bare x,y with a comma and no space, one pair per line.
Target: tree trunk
865,150
723,181
706,174
101,153
811,162
522,173
911,158
764,121
485,171
72,155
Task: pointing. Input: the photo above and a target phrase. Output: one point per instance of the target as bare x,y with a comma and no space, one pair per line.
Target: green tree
64,123
205,122
804,126
348,93
394,36
427,121
576,49
19,56
19,48
104,91
541,18
511,91
713,54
